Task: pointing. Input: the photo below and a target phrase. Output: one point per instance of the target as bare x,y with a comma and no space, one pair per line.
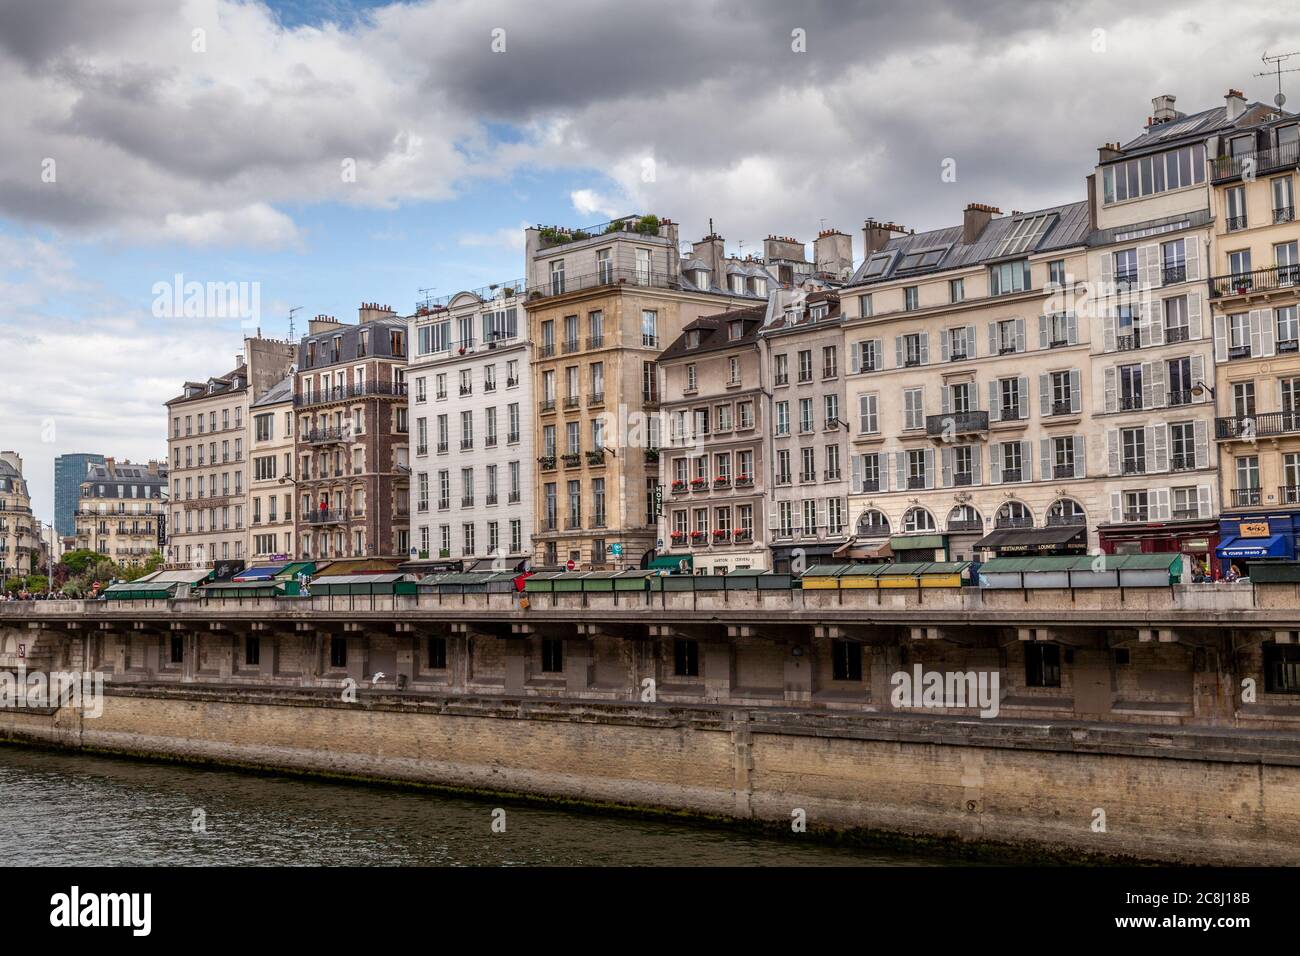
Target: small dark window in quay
686,658
338,652
846,657
437,653
552,655
1042,665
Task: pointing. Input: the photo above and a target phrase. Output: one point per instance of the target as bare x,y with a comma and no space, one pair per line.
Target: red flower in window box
699,482
678,536
743,479
679,486
697,535
720,482
721,534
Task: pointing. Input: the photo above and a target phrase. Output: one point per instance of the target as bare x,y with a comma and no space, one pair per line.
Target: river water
72,809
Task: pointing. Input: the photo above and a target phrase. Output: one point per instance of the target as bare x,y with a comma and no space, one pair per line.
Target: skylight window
1025,234
876,266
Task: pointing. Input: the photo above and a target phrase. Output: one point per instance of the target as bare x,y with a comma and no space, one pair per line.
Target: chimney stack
1162,109
833,253
876,234
1235,102
976,217
370,311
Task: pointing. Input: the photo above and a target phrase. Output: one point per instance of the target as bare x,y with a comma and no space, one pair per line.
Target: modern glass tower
69,473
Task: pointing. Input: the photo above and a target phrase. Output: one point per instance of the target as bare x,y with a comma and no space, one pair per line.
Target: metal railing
341,393
1257,426
956,423
327,516
1257,280
1224,168
1246,497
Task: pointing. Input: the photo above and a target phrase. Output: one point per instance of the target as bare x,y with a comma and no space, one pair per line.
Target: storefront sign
1254,529
1196,544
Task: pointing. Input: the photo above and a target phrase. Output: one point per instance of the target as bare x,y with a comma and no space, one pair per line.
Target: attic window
819,311
693,339
922,259
758,285
735,330
702,278
1025,234
876,266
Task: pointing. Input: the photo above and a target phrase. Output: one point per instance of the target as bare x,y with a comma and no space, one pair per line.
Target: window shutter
1044,395
1042,331
995,465
1202,432
943,345
898,351
945,458
925,348
994,400
976,465
993,338
1153,313
856,470
971,350
1148,390
855,358
1045,458
1072,328
929,468
1194,315
1159,393
880,356
864,413
945,400
1193,254
900,469
1266,332
1162,504
1020,335
1197,366
1076,391
883,460
1108,273
1149,448
1220,338
1026,461
1080,458
1149,265
1162,446
1204,504
1109,334
1022,386
1116,507
1256,334
1112,451
1111,376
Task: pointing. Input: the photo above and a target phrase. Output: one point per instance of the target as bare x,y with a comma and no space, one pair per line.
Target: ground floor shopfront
1057,540
1251,537
1197,539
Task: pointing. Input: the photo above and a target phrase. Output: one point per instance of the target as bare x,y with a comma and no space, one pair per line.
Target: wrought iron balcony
1268,279
1246,497
1249,427
1013,521
1224,168
326,516
956,423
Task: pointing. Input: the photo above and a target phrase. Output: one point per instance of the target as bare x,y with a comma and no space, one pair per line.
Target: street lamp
1200,388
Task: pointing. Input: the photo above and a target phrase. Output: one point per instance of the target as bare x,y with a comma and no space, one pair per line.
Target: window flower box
678,537
721,534
721,482
697,535
679,487
699,483
744,481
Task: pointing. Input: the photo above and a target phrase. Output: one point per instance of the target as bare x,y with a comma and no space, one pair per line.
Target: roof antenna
296,308
1277,71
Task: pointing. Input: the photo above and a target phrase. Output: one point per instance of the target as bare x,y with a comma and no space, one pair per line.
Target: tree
134,571
77,561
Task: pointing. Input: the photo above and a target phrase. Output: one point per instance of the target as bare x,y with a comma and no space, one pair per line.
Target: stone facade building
272,474
353,468
713,467
208,449
121,509
471,407
18,539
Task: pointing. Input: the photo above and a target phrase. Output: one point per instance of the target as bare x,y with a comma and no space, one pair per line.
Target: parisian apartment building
208,450
122,510
272,473
351,442
19,551
602,303
470,402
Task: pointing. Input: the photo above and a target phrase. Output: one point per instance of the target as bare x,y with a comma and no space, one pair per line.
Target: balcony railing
1173,274
1257,280
965,524
595,341
1063,471
1283,214
1224,168
1246,497
1134,466
1179,333
1129,342
1062,408
546,405
1009,413
1265,425
1288,494
327,436
323,516
1013,521
1137,514
1063,520
570,345
1181,396
956,423
595,398
1235,223
344,392
1185,462
648,278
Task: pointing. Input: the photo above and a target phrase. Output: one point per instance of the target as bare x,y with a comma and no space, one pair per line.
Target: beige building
1254,299
713,468
602,304
120,509
208,449
272,474
18,540
969,389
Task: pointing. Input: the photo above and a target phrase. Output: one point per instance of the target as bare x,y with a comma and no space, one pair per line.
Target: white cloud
255,225
511,238
588,202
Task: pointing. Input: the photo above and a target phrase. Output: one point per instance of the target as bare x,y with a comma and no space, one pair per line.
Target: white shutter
943,345
925,348
1022,387
1256,334
1109,341
898,351
1026,461
1162,446
1202,432
1153,313
1204,501
971,350
1161,510
995,401
929,468
883,459
1197,366
1193,252
1266,327
1020,335
855,358
856,467
976,465
1159,389
879,355
995,465
1116,507
1149,448
1080,458
1072,328
945,399
1194,315
1045,458
993,338
945,458
1149,265
1108,273
1112,451
1220,338
1076,391
1148,386
1044,395
1112,389
1042,332
900,469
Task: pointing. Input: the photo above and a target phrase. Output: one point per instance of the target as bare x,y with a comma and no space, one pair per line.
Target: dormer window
701,278
737,284
735,330
818,312
693,339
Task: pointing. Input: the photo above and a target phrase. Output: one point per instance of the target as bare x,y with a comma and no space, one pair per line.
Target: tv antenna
1277,61
427,295
296,308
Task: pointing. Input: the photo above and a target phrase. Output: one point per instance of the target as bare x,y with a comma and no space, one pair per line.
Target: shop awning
1274,546
1032,539
258,574
865,550
916,542
671,562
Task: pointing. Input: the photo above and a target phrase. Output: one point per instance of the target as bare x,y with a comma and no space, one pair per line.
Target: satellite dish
1280,100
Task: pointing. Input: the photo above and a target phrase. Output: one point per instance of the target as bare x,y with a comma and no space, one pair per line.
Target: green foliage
77,561
648,225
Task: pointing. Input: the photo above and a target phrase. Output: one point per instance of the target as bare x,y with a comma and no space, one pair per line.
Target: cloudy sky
216,139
